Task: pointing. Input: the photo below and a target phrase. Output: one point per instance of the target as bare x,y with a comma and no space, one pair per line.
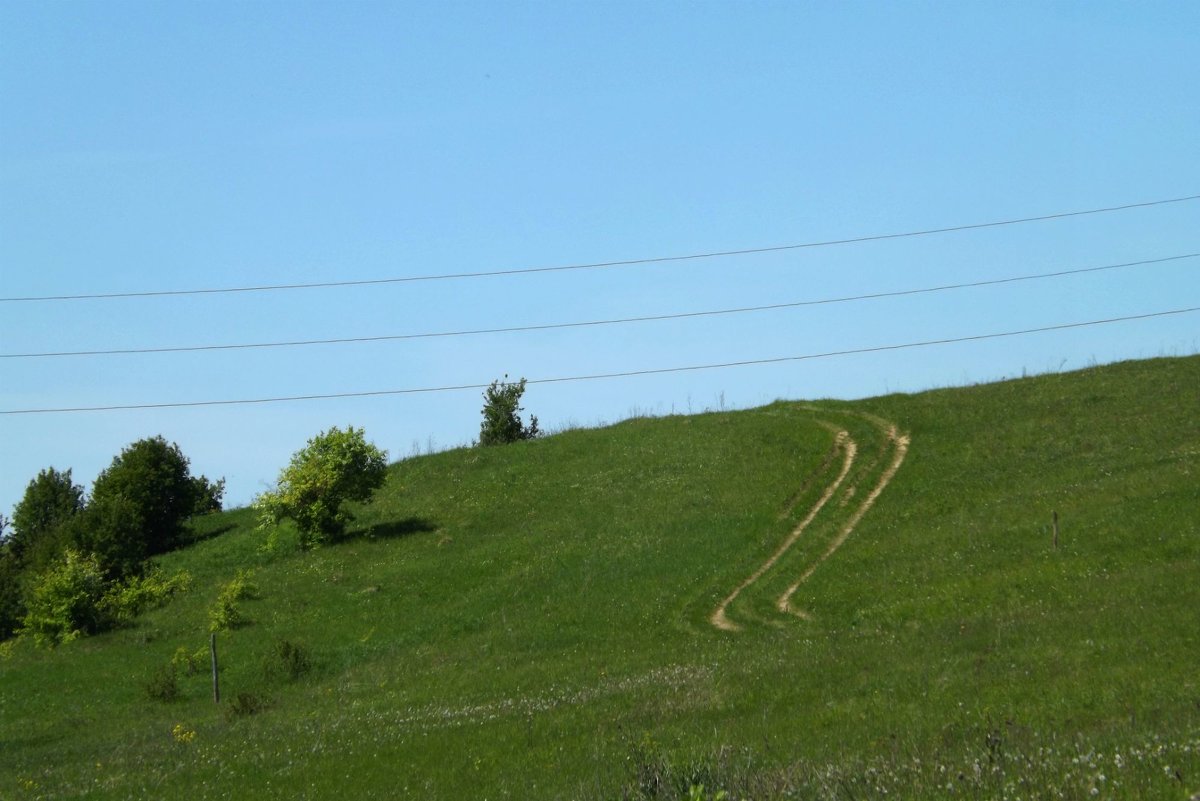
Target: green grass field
533,621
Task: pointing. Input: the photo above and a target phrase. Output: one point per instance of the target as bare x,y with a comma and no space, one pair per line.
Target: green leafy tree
335,467
208,495
151,480
111,528
50,500
501,415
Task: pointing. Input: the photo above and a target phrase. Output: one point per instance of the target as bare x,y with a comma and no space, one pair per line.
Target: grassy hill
534,621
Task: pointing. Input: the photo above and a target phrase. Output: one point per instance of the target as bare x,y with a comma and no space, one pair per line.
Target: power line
597,265
589,323
600,376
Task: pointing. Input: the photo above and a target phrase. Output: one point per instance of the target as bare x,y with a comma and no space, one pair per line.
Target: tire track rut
901,443
849,448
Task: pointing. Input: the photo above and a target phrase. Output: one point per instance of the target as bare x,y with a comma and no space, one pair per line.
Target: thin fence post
1055,531
212,647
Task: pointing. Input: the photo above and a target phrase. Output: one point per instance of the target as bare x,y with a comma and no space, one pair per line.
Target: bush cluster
65,545
126,600
75,598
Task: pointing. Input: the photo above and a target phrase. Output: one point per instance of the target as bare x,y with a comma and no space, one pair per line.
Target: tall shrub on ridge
501,415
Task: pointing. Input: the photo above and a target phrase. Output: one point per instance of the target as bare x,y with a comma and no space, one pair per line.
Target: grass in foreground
532,621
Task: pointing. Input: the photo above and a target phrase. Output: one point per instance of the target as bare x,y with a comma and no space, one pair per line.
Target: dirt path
842,442
901,443
849,448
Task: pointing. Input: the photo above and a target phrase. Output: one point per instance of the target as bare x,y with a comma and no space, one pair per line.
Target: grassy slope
530,621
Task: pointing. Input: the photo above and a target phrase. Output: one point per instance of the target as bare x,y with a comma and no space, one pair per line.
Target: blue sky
163,146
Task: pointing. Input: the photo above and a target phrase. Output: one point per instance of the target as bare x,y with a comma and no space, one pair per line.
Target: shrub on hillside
501,415
287,661
129,599
335,467
243,705
66,602
225,613
163,684
189,662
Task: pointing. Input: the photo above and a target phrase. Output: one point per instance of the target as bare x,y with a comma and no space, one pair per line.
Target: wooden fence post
212,647
1056,531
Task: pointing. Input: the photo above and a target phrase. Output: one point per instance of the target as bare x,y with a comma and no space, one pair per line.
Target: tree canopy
50,500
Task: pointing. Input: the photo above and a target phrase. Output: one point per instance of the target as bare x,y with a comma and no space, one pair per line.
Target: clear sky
169,146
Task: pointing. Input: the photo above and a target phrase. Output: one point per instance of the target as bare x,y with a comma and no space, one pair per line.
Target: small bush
163,684
226,614
243,705
190,663
66,602
287,661
127,600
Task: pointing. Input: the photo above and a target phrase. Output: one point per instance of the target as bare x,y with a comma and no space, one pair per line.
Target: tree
501,419
111,529
50,500
334,467
152,480
208,495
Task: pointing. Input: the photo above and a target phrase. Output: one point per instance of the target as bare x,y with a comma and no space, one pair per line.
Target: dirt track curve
849,448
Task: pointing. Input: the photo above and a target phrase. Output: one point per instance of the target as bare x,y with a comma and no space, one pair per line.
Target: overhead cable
588,323
600,376
597,265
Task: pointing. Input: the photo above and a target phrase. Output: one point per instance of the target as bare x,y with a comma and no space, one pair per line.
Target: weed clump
287,661
243,705
163,684
189,663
